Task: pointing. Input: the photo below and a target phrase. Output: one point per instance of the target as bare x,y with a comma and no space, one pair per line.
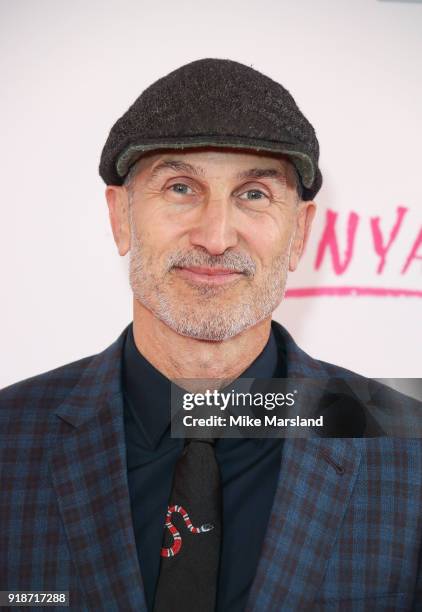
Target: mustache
236,262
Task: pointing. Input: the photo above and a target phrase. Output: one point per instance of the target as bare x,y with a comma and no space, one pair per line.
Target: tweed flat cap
213,102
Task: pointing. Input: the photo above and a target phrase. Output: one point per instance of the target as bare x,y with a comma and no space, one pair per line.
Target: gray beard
206,316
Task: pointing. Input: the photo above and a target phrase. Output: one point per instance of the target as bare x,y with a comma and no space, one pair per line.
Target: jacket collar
102,378
100,382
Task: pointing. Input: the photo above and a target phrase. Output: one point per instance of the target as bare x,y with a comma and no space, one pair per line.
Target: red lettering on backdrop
380,249
352,290
412,254
329,241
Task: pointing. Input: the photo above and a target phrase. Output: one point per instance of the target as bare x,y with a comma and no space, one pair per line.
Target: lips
208,275
210,271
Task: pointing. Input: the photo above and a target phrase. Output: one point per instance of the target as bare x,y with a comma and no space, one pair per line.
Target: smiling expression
213,234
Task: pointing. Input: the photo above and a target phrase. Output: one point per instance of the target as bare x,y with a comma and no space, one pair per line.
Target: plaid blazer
344,531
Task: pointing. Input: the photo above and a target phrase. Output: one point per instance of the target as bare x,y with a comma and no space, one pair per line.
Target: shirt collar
147,391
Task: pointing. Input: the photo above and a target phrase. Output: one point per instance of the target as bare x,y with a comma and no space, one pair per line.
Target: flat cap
213,102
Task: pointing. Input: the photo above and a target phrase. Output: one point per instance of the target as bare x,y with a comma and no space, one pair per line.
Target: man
210,176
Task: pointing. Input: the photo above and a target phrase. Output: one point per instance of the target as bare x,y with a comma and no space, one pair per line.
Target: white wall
70,69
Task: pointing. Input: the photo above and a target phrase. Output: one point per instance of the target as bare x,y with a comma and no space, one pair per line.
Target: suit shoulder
396,411
334,370
302,363
52,385
376,384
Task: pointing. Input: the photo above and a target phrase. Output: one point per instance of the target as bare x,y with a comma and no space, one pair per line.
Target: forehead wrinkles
273,170
177,166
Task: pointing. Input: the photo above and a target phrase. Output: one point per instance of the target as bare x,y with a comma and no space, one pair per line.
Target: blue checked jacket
344,531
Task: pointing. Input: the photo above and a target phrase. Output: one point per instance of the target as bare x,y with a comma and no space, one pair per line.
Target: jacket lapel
316,480
88,467
310,501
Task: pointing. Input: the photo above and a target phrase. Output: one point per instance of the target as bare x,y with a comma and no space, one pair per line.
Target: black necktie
191,544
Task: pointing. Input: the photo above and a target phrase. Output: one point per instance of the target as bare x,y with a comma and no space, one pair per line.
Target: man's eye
180,188
253,195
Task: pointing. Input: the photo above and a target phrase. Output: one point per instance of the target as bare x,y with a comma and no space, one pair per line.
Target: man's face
212,235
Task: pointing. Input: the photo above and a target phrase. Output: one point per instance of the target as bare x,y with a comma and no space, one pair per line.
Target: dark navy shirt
249,470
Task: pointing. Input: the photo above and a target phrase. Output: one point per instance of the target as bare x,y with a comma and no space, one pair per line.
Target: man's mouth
215,276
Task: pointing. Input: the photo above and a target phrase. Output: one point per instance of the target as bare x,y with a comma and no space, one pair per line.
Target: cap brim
301,160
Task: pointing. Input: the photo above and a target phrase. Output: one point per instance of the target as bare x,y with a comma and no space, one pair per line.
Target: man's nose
214,228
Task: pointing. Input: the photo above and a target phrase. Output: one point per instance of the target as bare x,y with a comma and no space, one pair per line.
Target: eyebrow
178,166
257,173
263,173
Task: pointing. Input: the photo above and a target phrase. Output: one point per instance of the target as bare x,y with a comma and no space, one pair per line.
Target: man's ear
304,220
118,209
